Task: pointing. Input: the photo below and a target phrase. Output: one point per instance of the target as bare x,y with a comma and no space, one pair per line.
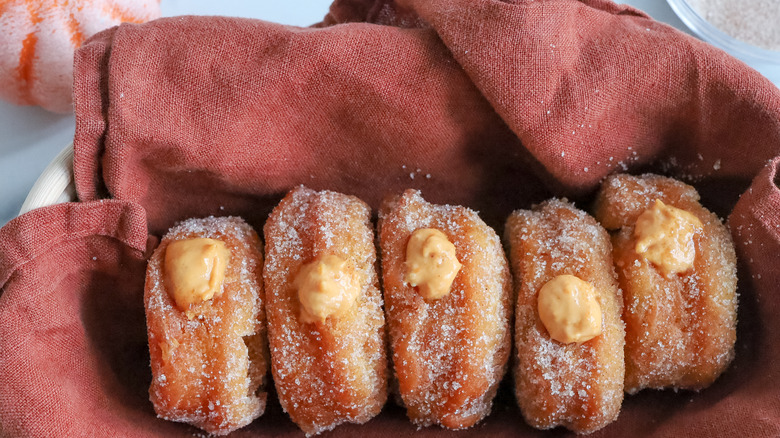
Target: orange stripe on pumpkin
25,69
121,14
33,9
74,27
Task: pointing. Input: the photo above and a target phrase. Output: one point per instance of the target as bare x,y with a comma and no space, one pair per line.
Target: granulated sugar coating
578,386
680,328
335,371
210,370
449,354
755,22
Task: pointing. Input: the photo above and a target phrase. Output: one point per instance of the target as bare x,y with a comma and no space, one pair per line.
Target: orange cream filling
195,270
328,286
431,263
665,237
569,309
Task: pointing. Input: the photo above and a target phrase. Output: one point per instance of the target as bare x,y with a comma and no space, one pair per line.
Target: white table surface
31,137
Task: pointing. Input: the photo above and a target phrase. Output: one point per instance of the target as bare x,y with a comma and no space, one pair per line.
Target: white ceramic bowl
706,31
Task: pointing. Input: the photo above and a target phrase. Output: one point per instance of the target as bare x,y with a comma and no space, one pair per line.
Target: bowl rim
55,185
706,31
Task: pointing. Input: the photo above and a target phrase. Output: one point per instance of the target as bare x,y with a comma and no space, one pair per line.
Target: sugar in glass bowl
758,31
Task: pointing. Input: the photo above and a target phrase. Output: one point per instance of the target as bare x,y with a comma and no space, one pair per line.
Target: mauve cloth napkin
486,103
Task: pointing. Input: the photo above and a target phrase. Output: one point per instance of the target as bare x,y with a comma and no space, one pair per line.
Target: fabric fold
591,87
72,334
37,233
228,125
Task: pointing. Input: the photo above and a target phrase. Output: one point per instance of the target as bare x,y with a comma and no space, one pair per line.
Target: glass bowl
746,52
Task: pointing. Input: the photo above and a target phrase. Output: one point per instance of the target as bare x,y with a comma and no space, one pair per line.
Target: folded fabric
73,353
477,106
490,104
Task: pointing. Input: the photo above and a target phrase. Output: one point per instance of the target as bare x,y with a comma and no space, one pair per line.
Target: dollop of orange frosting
195,270
328,286
665,236
569,309
431,263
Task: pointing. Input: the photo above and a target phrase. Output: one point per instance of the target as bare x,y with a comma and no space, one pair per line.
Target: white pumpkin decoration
38,38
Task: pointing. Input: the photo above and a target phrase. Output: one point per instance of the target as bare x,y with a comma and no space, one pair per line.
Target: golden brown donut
575,385
209,361
680,328
333,370
449,353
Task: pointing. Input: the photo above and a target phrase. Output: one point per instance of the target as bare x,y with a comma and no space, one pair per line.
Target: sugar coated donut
568,334
325,319
677,268
206,326
449,309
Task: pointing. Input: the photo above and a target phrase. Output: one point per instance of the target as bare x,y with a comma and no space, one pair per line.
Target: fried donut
206,326
680,323
324,306
575,381
450,343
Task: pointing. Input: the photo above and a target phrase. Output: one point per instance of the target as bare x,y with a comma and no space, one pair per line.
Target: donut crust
578,386
333,371
449,354
680,329
210,371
